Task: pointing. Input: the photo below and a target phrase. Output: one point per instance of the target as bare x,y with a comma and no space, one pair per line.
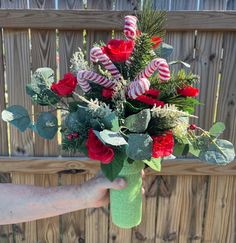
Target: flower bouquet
125,109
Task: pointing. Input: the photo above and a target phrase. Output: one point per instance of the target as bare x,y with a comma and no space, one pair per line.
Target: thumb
118,184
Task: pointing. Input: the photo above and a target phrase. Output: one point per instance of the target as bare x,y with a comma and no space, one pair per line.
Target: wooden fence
188,201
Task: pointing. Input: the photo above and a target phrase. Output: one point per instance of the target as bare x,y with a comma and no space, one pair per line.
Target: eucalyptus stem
207,134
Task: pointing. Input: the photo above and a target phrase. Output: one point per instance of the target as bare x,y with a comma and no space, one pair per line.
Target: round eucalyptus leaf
46,125
18,116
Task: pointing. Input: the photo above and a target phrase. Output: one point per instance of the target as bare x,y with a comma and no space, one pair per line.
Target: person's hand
96,189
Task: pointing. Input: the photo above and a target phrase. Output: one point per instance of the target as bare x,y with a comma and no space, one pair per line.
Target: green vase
126,204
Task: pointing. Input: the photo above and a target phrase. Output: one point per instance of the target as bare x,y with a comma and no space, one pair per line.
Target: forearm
20,203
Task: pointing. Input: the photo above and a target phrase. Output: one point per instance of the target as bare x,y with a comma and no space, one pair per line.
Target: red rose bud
156,41
107,93
75,135
118,50
162,145
149,101
192,127
153,92
70,137
188,91
97,150
65,86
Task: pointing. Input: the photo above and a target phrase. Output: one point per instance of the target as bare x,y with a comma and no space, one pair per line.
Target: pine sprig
141,56
168,89
151,22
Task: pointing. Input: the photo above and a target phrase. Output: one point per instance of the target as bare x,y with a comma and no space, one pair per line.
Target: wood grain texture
207,66
52,165
17,76
69,41
146,231
226,109
44,55
108,20
93,36
212,5
219,206
48,229
96,223
183,5
72,228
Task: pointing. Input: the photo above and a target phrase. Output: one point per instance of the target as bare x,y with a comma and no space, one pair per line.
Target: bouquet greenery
125,109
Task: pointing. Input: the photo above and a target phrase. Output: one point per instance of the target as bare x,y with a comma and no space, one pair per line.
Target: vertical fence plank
226,109
96,223
221,191
93,35
145,232
96,229
6,234
17,76
72,224
44,55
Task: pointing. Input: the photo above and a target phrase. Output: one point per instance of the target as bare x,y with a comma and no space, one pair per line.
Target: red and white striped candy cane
96,55
84,76
159,64
138,87
130,27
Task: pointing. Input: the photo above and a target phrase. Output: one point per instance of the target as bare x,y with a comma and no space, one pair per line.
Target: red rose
162,145
149,101
188,91
107,93
155,40
97,150
65,86
118,50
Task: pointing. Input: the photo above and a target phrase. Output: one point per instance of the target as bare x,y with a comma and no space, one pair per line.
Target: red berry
70,137
192,127
75,135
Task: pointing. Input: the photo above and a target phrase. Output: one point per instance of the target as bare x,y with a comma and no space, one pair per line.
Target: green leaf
111,122
180,62
194,151
72,121
165,50
138,122
44,96
154,163
140,147
112,170
222,153
178,149
217,129
44,75
46,125
110,137
18,116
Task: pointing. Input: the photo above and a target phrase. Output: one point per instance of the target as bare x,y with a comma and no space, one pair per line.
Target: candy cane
161,65
130,27
84,76
138,87
96,55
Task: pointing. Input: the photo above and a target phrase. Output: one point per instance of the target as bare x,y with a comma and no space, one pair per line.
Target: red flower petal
188,91
162,145
97,150
155,41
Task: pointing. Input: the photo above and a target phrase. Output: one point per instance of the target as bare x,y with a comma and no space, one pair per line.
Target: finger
143,174
118,183
143,191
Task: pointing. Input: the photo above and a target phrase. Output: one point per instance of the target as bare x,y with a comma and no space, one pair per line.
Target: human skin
21,203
